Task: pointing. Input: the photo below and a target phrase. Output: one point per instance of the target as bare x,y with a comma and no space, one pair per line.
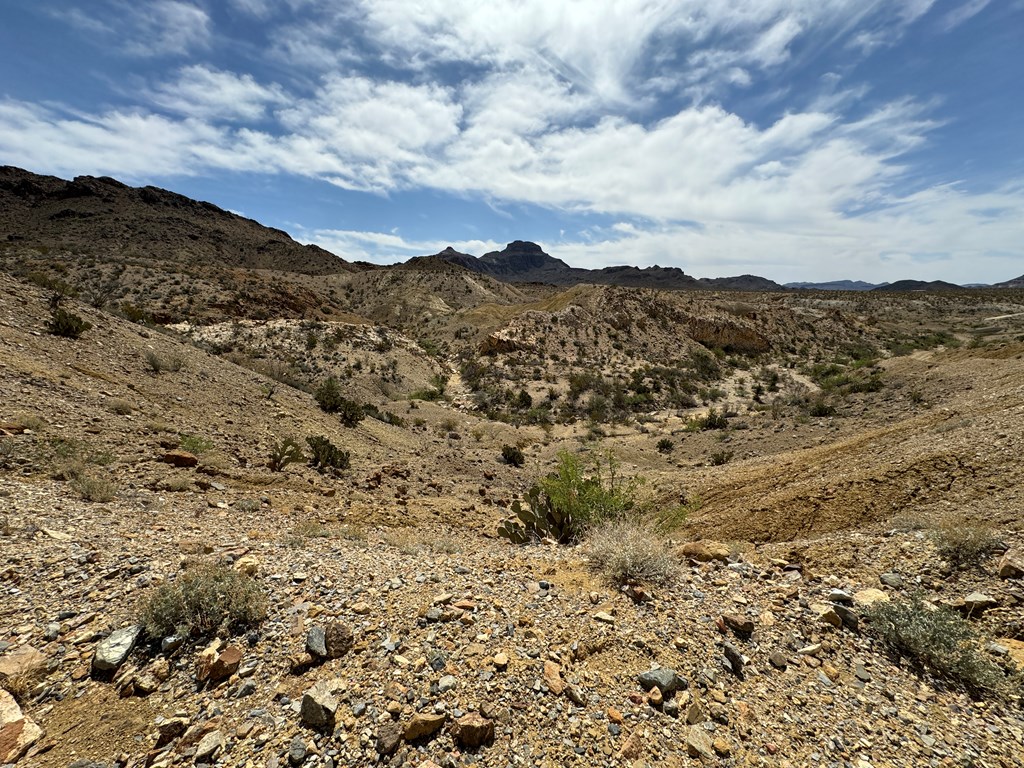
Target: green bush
385,416
194,443
203,599
936,641
67,324
665,445
328,396
326,455
564,504
713,419
512,455
283,453
719,458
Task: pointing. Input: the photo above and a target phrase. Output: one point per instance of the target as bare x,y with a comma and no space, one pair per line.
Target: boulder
114,649
319,705
1011,565
705,551
338,639
179,458
424,724
664,679
24,662
17,732
472,731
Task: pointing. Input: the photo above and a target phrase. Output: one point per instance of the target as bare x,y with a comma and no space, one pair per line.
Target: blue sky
794,139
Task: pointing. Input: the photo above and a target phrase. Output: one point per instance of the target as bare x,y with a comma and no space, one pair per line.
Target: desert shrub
718,458
665,445
158,364
120,407
326,455
564,504
203,599
328,395
962,545
194,443
95,489
283,453
67,324
713,419
512,455
629,551
820,408
936,641
386,416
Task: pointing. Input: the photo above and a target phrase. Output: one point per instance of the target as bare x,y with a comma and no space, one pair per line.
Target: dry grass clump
630,551
95,489
20,686
203,599
963,545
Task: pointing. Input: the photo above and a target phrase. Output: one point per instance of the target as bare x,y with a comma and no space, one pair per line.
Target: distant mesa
522,261
919,285
837,285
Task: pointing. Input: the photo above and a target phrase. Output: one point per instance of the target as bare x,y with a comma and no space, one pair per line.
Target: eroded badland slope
855,433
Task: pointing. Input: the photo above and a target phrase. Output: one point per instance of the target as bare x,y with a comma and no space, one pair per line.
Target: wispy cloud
963,13
154,28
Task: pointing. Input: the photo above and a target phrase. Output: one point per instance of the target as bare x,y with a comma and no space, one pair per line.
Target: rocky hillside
526,262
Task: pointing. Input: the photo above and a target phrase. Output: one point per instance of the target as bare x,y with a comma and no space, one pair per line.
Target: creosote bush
629,551
938,642
203,599
328,396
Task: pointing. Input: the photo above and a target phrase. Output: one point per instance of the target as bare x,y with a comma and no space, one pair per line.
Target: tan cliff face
789,459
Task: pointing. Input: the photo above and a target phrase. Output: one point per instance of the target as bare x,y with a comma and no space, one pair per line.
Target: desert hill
1017,282
341,450
525,262
918,285
108,218
837,285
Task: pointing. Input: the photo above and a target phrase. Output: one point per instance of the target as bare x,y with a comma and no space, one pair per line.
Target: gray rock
735,658
778,659
698,743
446,683
664,679
1011,565
297,751
211,745
318,707
839,596
976,602
848,617
111,652
316,642
893,580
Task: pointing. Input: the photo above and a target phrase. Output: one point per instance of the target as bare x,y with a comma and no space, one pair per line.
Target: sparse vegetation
67,324
194,444
562,505
159,364
936,641
203,599
325,455
964,545
629,551
718,458
93,488
512,455
665,445
284,452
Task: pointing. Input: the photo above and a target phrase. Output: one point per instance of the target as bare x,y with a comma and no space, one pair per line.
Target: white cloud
209,93
964,12
153,28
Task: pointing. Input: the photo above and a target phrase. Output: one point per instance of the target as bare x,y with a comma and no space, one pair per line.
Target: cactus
539,519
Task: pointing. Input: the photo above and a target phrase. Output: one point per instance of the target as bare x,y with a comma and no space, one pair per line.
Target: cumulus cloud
203,92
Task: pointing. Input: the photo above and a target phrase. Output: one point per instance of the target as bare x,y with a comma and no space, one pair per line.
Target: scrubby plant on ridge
203,599
67,324
326,455
512,455
964,545
936,641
